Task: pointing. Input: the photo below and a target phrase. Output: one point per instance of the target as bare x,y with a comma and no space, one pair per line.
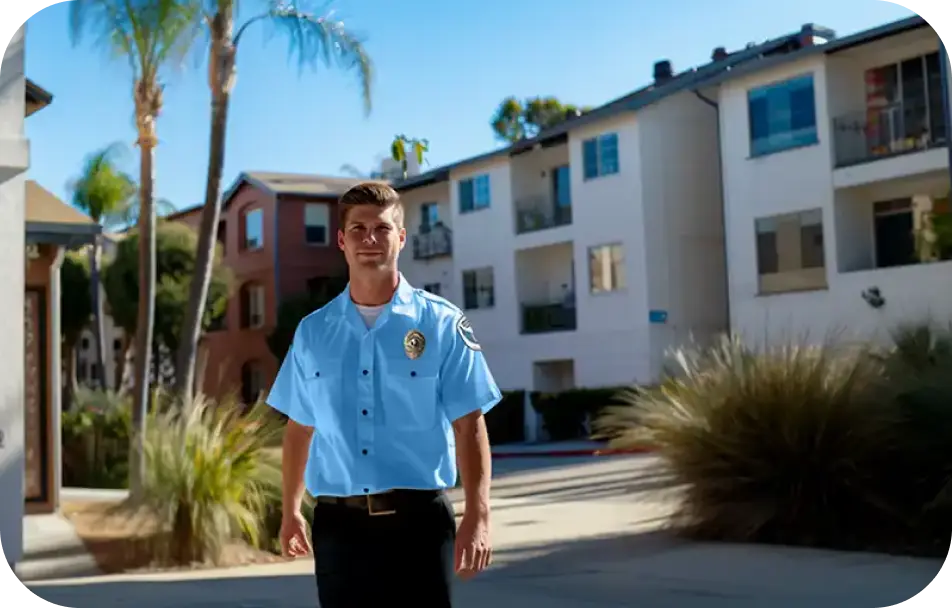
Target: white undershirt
370,313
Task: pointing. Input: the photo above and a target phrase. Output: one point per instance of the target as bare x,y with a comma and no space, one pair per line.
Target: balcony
539,213
432,242
868,135
543,318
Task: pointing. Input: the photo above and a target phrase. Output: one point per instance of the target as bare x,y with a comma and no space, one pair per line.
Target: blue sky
442,67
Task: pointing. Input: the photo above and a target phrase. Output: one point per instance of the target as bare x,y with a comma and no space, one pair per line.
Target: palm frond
103,190
315,39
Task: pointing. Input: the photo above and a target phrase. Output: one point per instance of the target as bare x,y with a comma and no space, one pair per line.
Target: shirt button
366,372
364,412
364,452
413,374
366,490
317,374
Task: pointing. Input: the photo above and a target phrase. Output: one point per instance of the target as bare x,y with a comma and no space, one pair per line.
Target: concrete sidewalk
584,552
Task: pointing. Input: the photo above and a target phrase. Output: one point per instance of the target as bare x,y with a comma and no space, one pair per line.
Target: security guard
385,389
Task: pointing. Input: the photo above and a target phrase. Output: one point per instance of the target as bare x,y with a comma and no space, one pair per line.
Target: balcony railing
433,242
545,318
540,212
867,135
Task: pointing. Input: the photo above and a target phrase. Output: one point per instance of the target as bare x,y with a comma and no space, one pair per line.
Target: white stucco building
580,256
834,157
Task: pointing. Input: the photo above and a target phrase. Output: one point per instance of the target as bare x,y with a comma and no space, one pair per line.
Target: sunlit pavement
583,535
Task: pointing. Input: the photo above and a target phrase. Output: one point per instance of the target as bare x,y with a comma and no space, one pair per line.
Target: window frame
473,303
617,268
326,219
787,277
245,218
478,185
599,144
783,136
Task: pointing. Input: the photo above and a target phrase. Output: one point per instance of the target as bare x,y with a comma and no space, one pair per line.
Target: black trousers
405,558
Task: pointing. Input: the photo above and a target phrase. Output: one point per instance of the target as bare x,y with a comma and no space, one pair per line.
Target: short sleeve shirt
382,400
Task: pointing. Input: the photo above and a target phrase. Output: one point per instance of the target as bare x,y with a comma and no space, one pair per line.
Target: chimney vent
662,71
719,54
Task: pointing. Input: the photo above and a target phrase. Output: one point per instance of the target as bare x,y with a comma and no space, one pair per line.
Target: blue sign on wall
658,316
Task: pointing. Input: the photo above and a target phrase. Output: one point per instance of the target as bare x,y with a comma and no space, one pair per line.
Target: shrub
95,439
779,447
505,423
209,477
566,414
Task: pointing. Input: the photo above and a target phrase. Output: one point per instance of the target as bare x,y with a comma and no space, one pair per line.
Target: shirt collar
401,303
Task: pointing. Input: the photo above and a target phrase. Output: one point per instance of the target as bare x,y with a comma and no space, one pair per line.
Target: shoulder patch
466,334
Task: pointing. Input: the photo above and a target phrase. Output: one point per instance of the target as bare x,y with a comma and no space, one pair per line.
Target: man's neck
375,289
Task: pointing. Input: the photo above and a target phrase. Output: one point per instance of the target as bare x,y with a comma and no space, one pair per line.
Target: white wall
12,194
801,179
785,182
686,269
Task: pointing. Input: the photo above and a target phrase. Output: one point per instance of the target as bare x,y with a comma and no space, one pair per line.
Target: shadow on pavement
651,569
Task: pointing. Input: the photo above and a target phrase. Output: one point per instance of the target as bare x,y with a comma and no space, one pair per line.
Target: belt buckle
372,512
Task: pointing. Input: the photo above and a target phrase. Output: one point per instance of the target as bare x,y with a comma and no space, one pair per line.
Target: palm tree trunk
146,313
220,80
99,332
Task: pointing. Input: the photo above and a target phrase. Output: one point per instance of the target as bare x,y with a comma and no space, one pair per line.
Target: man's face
372,237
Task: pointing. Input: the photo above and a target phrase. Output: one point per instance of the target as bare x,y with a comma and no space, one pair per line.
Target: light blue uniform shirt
381,400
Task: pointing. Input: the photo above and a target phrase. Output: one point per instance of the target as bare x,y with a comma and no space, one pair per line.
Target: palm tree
104,192
151,35
314,40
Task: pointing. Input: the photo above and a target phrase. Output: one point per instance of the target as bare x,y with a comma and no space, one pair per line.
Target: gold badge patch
414,343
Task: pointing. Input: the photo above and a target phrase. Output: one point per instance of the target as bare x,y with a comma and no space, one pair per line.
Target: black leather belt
384,503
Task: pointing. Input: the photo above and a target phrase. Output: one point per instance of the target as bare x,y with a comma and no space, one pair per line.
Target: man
380,385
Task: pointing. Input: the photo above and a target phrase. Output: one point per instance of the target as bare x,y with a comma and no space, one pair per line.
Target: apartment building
581,255
278,232
835,158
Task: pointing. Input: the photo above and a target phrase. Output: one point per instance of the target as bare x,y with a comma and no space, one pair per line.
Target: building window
252,306
782,116
474,193
607,268
252,382
433,288
478,289
254,229
600,155
790,255
316,223
85,343
429,215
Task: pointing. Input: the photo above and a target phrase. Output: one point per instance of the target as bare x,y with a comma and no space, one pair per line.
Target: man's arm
294,453
475,461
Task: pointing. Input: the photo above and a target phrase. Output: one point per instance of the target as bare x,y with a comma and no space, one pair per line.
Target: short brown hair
379,194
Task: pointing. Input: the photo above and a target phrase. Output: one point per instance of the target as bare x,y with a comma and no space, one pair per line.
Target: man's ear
340,239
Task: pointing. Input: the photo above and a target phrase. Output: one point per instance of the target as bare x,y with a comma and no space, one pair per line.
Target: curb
573,453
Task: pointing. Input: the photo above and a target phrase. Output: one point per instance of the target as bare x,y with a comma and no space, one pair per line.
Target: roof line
55,233
738,63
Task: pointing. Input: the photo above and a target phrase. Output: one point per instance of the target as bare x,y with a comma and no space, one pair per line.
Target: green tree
76,308
175,265
315,39
403,146
514,120
150,36
105,193
295,308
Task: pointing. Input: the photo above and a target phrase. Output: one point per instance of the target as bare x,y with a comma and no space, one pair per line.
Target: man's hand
294,541
474,550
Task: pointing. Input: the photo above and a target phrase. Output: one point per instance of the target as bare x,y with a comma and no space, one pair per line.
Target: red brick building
279,235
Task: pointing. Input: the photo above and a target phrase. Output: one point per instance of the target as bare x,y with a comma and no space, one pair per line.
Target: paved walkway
585,536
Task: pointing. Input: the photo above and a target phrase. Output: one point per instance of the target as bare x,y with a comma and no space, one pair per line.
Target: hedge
564,414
